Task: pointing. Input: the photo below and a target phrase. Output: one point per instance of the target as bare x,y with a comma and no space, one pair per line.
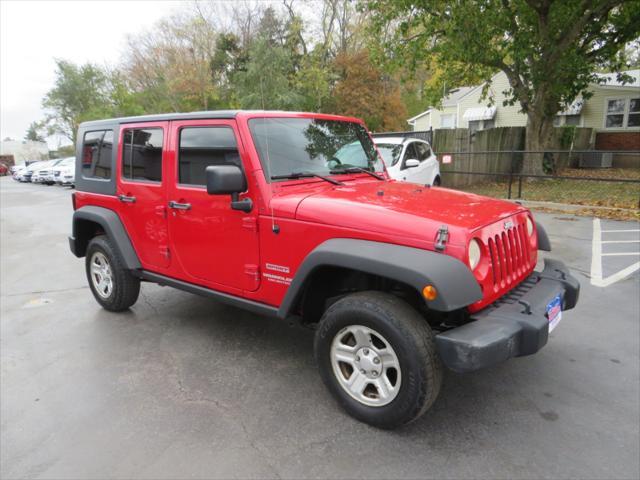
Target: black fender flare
543,239
454,282
113,228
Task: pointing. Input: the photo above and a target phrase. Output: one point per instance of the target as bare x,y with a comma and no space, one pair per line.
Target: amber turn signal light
429,292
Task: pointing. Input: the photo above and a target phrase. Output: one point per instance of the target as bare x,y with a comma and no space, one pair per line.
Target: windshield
390,153
295,145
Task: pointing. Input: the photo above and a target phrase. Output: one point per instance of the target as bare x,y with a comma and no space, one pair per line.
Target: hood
403,209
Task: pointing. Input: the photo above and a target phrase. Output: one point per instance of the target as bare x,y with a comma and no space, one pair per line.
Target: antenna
274,227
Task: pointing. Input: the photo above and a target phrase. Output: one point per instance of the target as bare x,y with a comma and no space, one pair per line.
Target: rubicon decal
270,277
277,268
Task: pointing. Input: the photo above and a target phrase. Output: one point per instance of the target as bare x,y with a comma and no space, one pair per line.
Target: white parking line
596,257
620,241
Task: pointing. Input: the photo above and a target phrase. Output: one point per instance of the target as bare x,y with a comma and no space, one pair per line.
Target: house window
634,113
557,120
448,120
475,125
615,113
489,124
572,120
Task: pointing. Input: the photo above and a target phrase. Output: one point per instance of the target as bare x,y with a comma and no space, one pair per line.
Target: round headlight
474,254
529,226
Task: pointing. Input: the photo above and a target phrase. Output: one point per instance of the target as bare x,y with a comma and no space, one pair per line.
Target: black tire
125,287
410,337
437,181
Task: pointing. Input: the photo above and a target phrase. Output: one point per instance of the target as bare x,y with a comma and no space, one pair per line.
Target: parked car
3,169
27,174
45,173
64,172
409,160
263,211
16,170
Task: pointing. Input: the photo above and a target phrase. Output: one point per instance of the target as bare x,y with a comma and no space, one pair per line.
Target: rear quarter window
97,149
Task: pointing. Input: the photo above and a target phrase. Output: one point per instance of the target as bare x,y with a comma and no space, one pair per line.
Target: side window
97,148
142,154
423,150
409,153
204,146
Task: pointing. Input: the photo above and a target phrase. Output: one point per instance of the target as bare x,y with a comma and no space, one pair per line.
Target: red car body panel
239,253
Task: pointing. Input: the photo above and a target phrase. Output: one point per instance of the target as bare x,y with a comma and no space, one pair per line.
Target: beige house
613,108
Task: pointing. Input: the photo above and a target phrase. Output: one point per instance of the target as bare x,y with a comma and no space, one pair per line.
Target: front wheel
112,285
377,356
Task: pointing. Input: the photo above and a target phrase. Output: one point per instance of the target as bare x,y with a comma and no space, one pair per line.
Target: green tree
267,79
548,49
80,93
34,132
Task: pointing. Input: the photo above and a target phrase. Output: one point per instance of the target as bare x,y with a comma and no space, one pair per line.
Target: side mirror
228,180
411,163
225,180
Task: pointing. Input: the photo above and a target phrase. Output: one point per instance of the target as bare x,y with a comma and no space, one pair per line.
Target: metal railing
615,182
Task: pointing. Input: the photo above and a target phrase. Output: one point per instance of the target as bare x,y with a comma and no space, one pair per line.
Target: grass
574,192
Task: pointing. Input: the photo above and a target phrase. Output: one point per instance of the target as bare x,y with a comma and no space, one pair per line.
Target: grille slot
510,256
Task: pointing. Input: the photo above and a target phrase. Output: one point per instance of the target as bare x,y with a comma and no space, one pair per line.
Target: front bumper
514,326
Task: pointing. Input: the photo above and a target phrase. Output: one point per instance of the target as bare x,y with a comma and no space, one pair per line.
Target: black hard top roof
163,117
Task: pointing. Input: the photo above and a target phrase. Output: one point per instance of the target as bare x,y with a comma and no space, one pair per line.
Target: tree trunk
539,138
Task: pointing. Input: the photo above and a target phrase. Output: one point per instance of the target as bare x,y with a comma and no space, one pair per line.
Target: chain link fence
585,177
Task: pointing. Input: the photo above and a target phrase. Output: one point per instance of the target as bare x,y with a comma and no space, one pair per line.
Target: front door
424,171
211,241
141,174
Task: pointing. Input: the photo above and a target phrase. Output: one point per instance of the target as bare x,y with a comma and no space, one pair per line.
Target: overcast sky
33,33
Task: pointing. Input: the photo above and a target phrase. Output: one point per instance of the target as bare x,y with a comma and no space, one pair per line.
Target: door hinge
250,223
252,270
164,251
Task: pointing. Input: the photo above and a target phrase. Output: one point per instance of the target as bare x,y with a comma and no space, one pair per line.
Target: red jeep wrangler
292,215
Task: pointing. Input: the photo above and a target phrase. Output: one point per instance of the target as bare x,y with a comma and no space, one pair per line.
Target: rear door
141,190
212,242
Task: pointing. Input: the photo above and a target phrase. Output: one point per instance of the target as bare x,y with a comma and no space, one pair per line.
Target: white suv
65,172
409,160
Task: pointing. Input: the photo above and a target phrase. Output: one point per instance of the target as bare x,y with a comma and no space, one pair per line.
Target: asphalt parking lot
182,386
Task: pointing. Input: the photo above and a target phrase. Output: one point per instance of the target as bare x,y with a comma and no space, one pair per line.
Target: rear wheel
437,182
112,285
377,357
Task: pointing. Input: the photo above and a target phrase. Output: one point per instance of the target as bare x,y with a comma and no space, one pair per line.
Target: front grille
510,255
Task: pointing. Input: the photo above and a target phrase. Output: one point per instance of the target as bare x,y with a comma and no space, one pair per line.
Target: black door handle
126,199
179,206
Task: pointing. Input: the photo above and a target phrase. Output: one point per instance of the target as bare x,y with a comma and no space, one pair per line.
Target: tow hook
441,238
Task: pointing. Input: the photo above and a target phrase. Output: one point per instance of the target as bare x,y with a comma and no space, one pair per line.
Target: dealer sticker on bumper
554,312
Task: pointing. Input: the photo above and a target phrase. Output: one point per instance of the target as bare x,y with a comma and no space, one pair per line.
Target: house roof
455,96
611,79
450,100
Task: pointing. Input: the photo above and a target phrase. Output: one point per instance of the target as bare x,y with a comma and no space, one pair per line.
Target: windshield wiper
296,175
357,170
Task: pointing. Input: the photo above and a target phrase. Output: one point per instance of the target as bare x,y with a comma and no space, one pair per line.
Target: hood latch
441,238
